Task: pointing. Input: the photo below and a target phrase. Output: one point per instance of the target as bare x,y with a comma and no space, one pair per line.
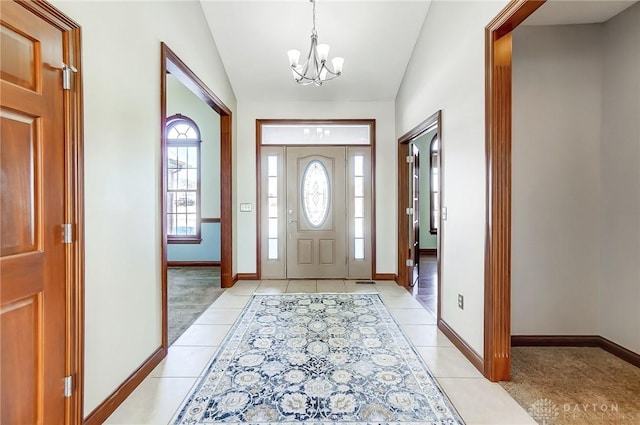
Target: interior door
32,254
316,213
414,217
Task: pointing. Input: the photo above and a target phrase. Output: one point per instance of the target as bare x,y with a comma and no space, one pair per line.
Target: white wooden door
316,212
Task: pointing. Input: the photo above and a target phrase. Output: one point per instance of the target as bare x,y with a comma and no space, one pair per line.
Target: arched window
183,180
434,177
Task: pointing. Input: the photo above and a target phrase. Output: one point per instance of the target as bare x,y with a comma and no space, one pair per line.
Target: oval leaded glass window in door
316,193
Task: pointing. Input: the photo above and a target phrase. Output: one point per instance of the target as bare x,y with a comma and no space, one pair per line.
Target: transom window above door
183,180
315,134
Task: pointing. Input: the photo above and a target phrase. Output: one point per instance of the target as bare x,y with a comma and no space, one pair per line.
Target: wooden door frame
171,63
403,199
73,204
497,278
372,137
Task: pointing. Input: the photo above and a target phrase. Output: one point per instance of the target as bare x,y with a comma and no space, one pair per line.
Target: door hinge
410,159
68,386
66,76
409,211
67,233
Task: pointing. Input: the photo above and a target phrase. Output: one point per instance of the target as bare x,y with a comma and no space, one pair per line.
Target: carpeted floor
191,290
575,386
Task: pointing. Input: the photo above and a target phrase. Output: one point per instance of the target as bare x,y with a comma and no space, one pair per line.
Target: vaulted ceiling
375,37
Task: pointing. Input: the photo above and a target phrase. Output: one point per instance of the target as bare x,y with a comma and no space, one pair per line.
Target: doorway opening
419,212
315,209
196,196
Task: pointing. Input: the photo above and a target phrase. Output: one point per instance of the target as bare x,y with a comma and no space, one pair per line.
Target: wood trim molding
374,250
429,251
74,201
259,123
403,221
108,406
246,276
555,340
226,201
497,307
210,220
577,341
385,276
259,200
461,345
193,263
619,351
284,121
403,201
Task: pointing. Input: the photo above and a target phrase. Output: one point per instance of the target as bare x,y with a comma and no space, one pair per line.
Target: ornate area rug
317,359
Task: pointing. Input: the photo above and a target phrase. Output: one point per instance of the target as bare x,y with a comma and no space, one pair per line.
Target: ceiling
375,37
566,12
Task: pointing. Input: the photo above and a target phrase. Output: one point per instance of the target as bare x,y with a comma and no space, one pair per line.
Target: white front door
316,212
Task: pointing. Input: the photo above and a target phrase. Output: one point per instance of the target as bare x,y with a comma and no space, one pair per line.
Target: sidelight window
358,199
272,202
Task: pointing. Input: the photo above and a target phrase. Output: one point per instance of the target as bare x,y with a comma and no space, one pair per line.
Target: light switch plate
245,207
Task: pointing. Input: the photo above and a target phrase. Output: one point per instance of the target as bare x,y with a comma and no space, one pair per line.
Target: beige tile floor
161,394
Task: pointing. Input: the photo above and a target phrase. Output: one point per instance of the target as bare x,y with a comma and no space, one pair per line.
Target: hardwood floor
426,290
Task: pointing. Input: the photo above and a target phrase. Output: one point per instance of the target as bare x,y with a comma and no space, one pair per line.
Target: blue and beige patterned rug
317,359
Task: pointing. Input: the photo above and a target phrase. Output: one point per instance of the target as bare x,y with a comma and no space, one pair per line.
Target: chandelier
315,70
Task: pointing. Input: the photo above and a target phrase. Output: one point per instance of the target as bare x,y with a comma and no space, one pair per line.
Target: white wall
555,227
121,72
619,293
446,72
386,147
576,180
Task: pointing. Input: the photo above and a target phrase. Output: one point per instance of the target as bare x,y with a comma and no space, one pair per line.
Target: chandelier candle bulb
337,65
323,52
294,58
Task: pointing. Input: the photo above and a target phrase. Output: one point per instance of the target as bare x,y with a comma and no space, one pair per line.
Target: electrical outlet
460,301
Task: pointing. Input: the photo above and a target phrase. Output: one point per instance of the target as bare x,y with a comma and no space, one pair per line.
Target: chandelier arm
313,70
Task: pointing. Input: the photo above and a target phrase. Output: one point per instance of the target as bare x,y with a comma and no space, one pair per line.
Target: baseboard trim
246,276
577,341
111,403
428,251
193,263
385,276
462,345
555,341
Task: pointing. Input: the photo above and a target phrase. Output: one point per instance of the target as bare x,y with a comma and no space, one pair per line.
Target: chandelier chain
314,17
